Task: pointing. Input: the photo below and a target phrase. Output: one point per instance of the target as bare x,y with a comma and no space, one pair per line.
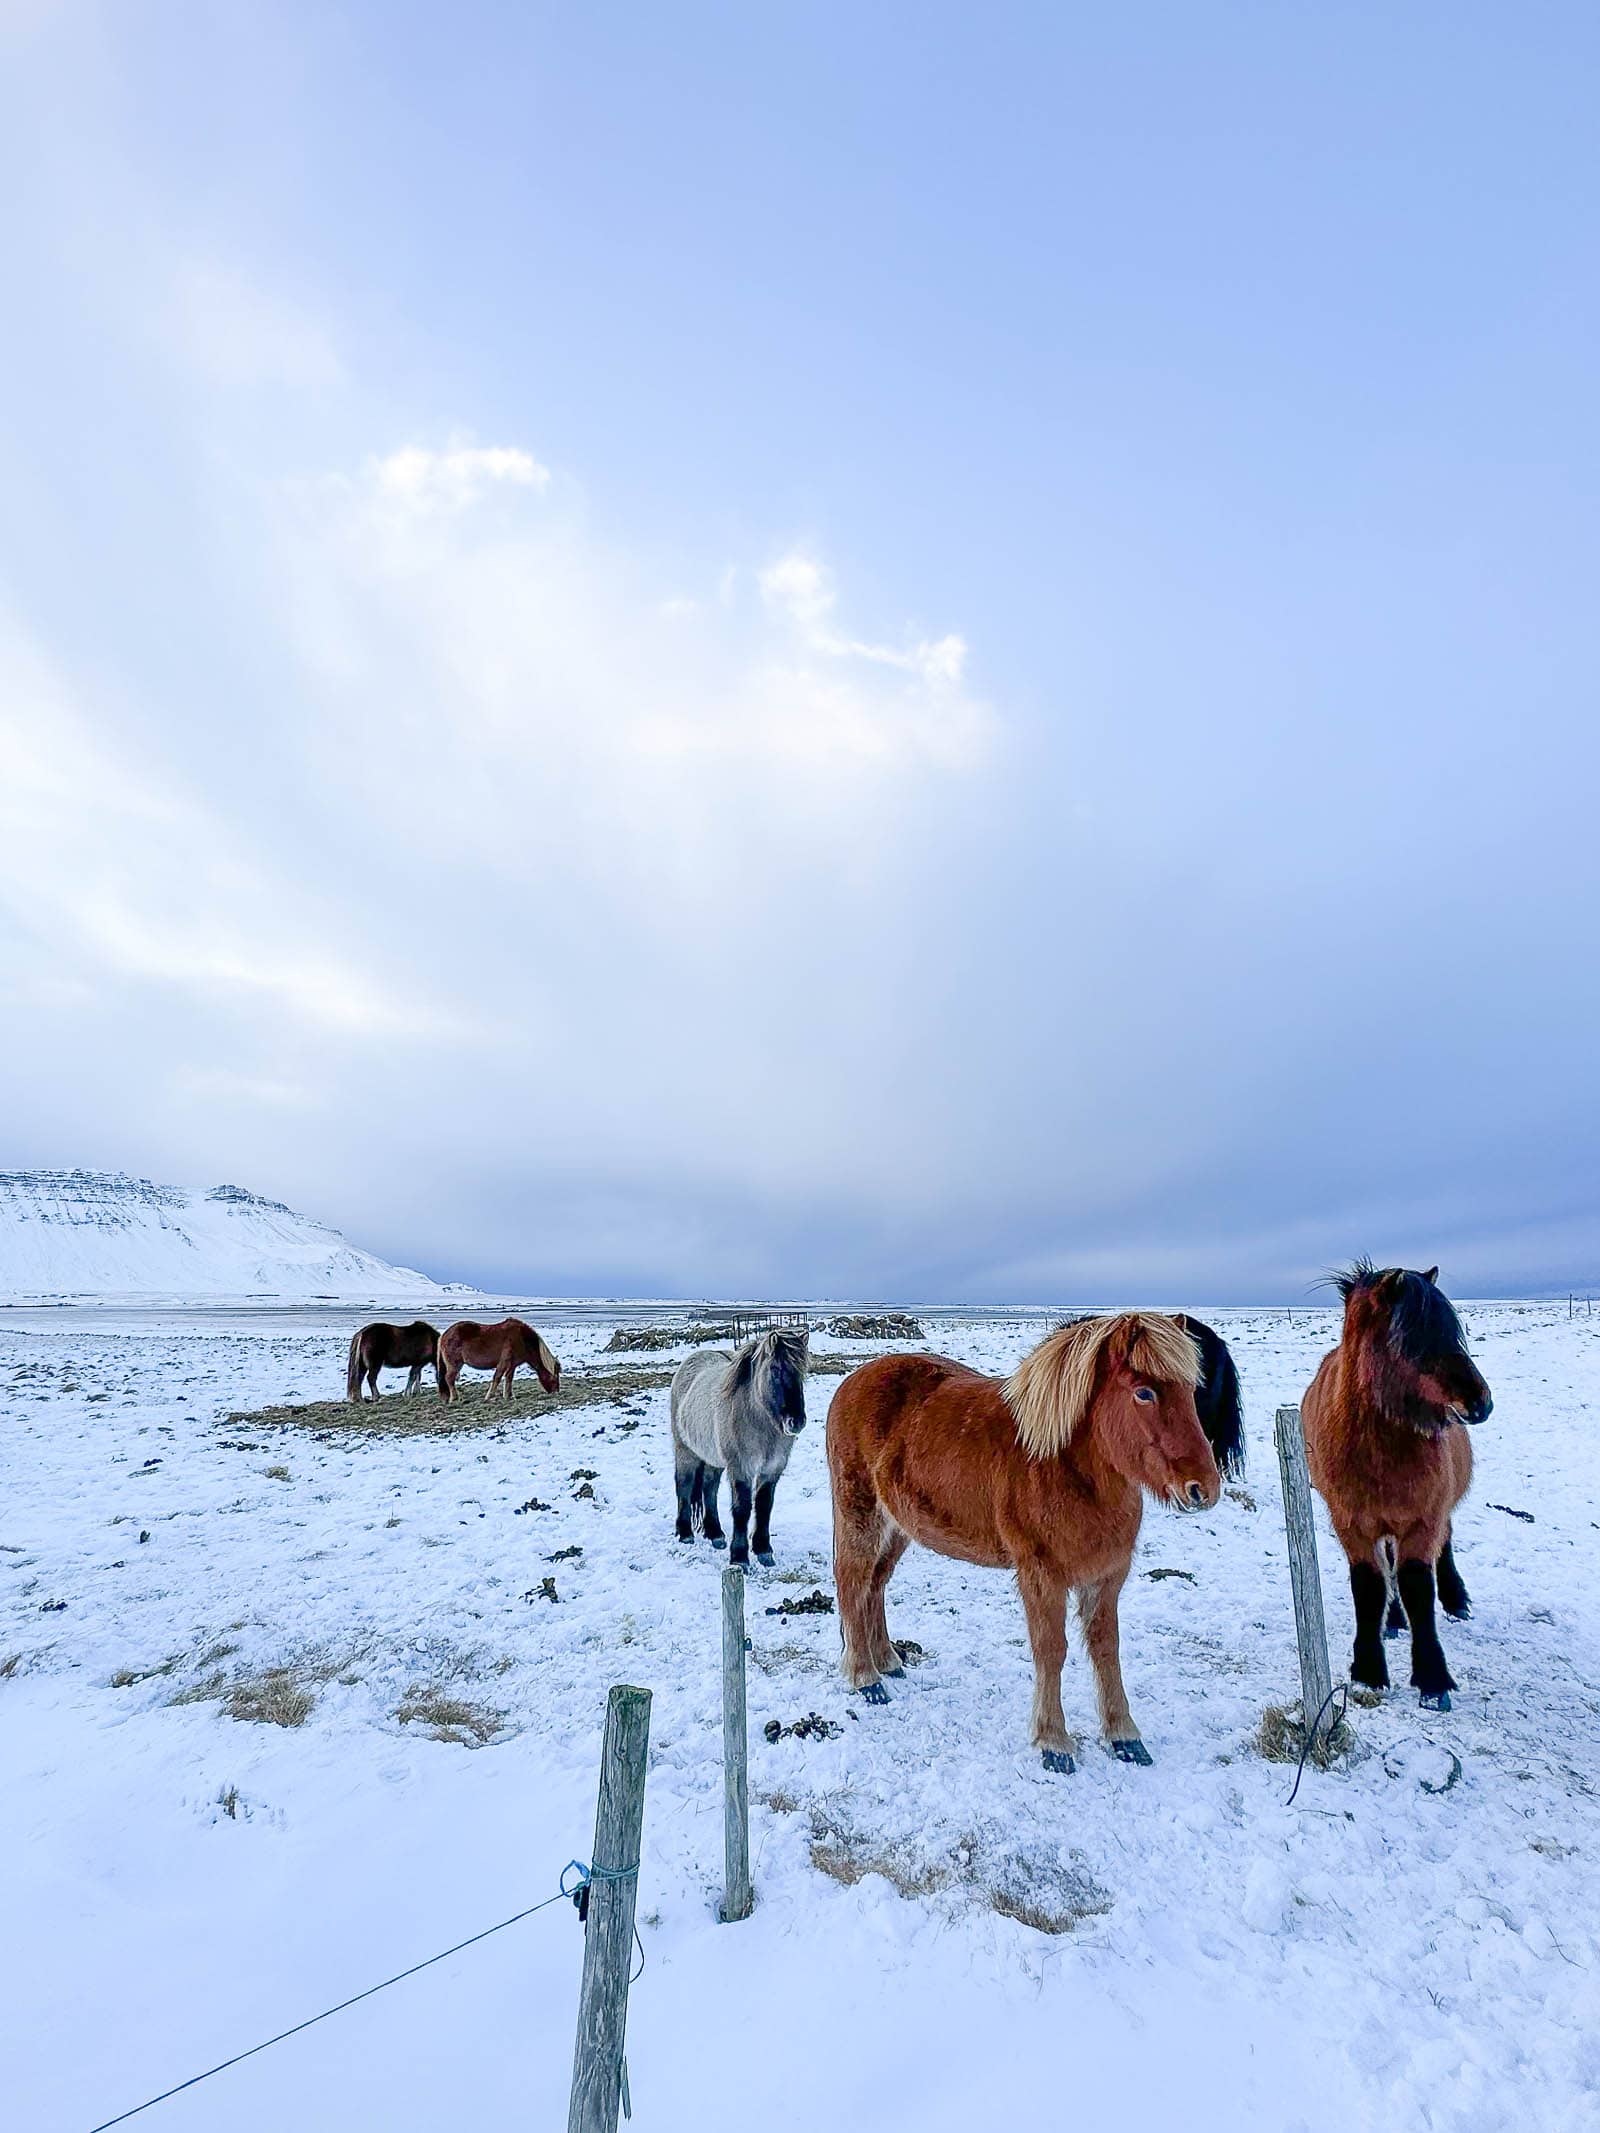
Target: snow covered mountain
94,1233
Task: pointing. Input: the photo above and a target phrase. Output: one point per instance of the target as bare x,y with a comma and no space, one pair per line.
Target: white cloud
118,871
424,480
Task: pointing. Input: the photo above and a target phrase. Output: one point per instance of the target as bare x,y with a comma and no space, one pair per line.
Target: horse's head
546,1364
1131,1381
1146,1417
778,1363
1411,1354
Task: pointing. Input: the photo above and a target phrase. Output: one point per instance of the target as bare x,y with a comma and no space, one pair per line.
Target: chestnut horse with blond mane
1389,1458
1041,1473
501,1348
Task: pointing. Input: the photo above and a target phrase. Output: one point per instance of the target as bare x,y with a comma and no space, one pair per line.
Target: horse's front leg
742,1500
414,1380
1097,1612
761,1539
1429,1671
711,1524
1044,1601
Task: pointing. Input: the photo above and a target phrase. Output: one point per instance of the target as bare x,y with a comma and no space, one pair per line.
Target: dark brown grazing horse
1040,1473
381,1346
1387,1453
501,1348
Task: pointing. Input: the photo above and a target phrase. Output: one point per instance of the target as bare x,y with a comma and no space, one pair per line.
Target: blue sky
924,652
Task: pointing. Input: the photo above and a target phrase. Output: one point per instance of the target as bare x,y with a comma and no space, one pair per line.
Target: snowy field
181,1881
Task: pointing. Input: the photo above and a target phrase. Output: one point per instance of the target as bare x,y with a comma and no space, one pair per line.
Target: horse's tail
352,1376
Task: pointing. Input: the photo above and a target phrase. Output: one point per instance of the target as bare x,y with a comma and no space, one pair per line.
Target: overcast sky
929,652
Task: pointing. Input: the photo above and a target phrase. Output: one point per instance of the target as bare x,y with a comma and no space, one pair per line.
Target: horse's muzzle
1479,1411
793,1429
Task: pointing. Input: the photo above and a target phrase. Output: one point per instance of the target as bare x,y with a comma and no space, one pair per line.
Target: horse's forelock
1051,1389
1161,1349
1422,1321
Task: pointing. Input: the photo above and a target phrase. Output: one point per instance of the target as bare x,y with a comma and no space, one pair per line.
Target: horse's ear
1432,1275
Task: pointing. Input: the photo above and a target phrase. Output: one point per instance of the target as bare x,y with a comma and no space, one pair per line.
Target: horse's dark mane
1217,1398
1422,1319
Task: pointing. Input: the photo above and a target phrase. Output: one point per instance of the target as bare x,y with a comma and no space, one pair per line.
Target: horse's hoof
1391,1630
895,1673
1132,1751
1463,1613
874,1692
716,1540
1058,1762
687,1539
1436,1700
766,1558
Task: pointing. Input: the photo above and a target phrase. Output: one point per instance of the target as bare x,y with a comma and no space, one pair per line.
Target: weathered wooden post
598,2073
1316,1685
737,1898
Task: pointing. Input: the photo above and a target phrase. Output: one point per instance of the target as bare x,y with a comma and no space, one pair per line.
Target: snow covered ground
180,1882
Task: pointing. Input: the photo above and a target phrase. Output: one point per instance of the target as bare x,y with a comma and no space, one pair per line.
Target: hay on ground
424,1415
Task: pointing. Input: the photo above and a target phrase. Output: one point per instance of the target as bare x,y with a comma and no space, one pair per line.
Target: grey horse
740,1410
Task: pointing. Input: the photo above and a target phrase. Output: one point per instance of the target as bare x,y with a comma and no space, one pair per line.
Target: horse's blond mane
1050,1389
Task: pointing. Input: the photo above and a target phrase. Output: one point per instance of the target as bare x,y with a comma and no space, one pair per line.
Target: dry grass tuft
9,1665
274,1698
1281,1736
450,1718
1047,1894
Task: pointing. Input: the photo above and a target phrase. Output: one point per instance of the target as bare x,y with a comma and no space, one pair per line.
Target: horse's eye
1145,1395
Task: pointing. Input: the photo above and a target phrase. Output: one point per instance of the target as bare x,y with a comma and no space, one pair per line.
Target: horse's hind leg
1452,1593
372,1381
858,1547
710,1482
414,1381
1044,1601
884,1656
1097,1612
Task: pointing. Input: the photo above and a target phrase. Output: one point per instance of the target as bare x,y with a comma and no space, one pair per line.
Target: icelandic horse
501,1348
1041,1473
1389,1458
381,1346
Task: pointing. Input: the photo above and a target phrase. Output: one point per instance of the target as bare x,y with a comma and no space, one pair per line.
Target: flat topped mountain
92,1233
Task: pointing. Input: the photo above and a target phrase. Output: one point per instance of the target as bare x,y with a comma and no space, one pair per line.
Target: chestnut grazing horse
381,1346
1389,1459
500,1348
1040,1473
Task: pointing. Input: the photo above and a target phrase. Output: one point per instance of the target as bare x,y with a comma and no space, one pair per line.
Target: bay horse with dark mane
381,1346
1388,1455
1041,1473
502,1348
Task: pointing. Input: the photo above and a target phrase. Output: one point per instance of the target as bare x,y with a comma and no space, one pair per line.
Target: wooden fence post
598,2073
1310,1630
737,1898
